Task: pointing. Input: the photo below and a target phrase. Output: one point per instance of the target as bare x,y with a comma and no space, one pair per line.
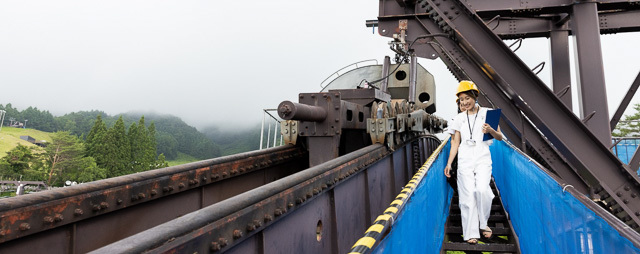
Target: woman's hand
447,171
486,128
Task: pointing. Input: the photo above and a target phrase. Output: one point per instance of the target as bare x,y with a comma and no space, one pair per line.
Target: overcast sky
212,62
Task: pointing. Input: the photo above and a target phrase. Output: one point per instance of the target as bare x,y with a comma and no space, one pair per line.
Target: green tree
161,162
630,126
65,159
167,145
21,162
95,142
118,150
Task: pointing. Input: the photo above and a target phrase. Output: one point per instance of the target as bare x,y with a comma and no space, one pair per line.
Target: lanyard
474,121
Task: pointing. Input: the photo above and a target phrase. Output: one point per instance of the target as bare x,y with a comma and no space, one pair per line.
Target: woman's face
466,102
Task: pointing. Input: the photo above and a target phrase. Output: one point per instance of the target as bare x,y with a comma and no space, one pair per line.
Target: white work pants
475,198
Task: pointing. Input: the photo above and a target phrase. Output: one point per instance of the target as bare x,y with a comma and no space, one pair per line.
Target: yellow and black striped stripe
384,221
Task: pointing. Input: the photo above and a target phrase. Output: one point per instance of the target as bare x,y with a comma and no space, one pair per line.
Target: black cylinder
295,111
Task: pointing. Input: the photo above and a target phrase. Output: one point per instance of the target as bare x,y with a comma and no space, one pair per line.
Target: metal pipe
385,73
158,235
268,135
288,110
413,72
262,130
275,132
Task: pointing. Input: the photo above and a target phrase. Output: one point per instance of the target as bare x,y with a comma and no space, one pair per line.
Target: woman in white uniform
474,163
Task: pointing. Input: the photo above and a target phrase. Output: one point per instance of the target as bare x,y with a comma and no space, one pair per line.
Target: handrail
336,72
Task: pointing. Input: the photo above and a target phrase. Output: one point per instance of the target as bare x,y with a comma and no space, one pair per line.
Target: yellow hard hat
466,85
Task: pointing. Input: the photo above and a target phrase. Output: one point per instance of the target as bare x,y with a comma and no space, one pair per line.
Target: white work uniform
474,173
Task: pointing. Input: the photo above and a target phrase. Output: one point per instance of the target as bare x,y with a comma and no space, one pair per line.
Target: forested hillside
232,142
172,134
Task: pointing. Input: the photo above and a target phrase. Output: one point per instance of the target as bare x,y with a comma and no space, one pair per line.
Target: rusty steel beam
272,218
83,214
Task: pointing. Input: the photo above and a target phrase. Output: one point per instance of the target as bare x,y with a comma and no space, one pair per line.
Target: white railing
270,119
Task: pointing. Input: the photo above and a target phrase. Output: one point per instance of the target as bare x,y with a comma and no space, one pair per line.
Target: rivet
134,197
233,171
153,192
337,107
619,194
637,213
224,174
25,226
324,95
251,227
633,195
96,208
290,205
626,188
165,189
324,186
242,170
313,96
298,201
215,176
192,182
277,212
223,242
58,217
337,95
237,234
257,223
204,179
625,201
309,195
315,191
181,185
104,205
2,233
267,218
48,219
119,201
78,212
141,195
215,246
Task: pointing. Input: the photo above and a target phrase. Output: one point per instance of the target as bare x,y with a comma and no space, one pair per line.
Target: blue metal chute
548,216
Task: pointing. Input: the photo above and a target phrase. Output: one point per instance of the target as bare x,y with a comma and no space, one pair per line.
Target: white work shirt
468,154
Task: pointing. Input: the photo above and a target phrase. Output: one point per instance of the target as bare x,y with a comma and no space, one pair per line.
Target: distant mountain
232,142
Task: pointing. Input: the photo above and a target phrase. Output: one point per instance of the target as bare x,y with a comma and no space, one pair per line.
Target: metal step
492,247
493,217
456,207
496,231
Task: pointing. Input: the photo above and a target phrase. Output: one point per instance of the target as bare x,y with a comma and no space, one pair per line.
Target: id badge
471,142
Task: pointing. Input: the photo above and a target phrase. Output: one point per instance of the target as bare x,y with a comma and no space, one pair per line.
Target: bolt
277,212
633,195
237,234
141,195
257,223
192,182
233,171
96,208
324,186
215,176
637,213
215,246
309,195
619,194
165,189
78,212
48,219
104,205
627,188
58,217
181,185
324,96
313,96
2,233
224,174
204,179
242,170
315,191
251,227
301,96
290,205
223,242
298,201
337,95
134,197
25,226
119,201
625,201
267,218
154,192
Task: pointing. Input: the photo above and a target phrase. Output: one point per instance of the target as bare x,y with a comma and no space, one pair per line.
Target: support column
560,64
592,90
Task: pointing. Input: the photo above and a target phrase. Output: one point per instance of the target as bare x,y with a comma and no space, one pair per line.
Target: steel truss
533,115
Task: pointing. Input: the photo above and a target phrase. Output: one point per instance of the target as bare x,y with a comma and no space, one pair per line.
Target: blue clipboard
493,118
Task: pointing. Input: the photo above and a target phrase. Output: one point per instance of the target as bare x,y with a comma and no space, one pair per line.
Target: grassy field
182,159
10,138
